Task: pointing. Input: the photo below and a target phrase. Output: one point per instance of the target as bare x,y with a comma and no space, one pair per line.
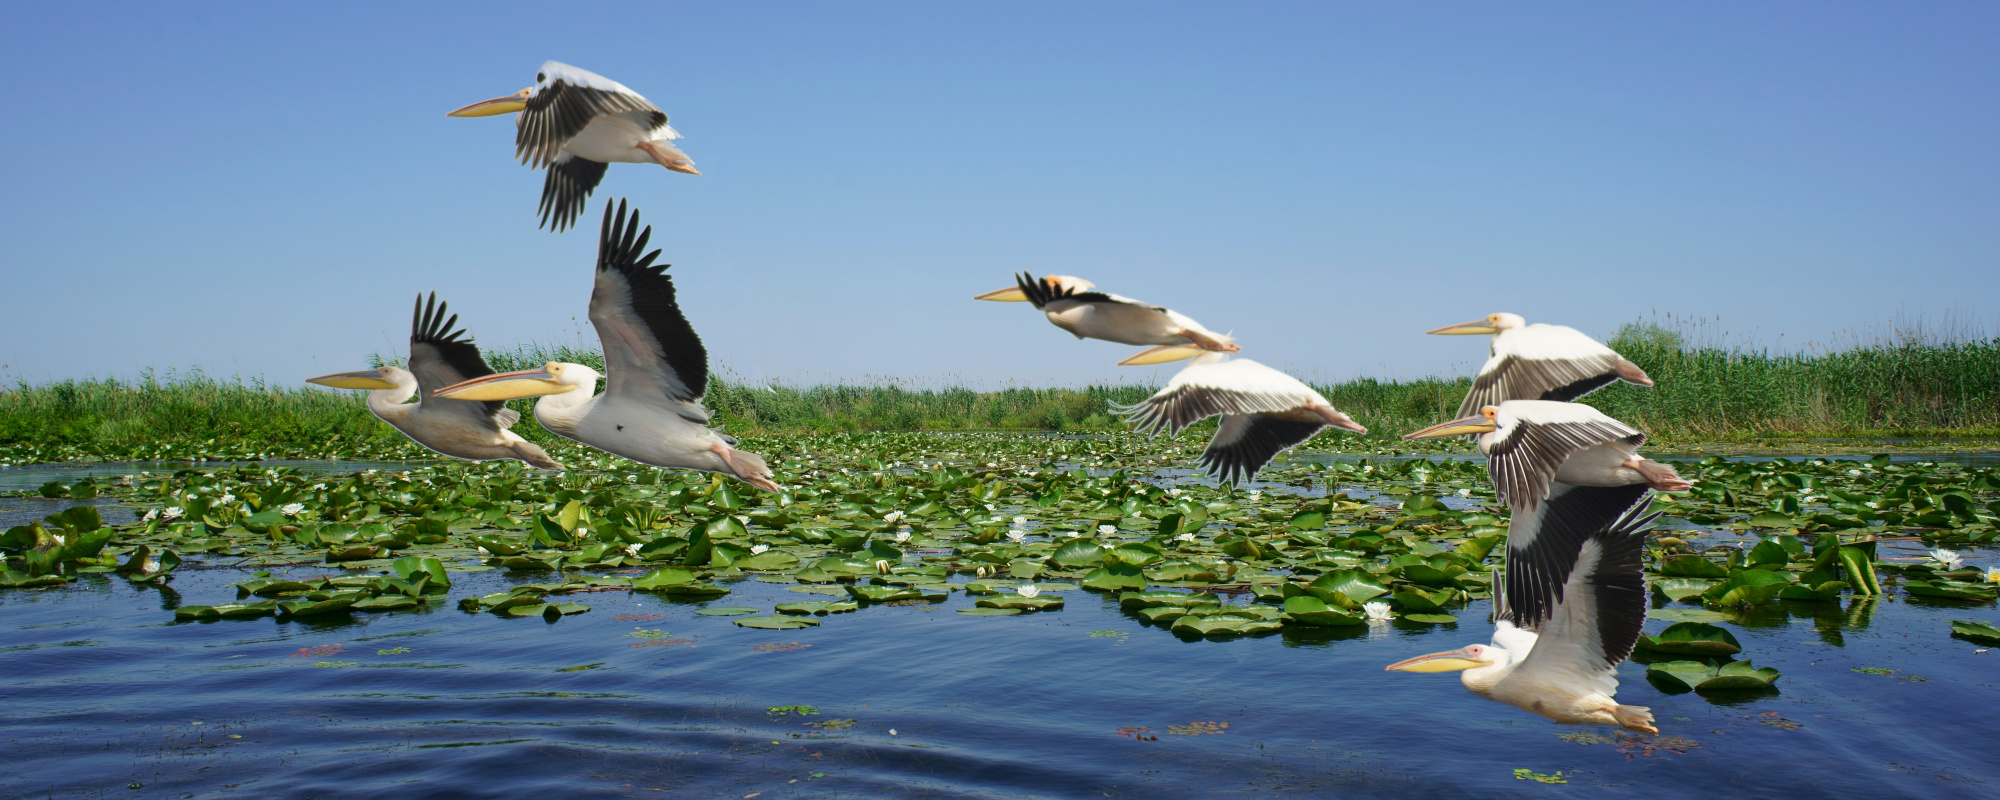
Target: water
107,696
28,478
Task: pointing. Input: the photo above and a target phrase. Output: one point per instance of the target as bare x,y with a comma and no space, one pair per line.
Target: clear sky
260,188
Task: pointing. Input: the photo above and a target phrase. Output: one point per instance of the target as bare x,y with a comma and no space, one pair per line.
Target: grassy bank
1909,385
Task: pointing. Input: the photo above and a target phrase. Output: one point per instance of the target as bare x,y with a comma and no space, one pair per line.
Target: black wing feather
429,326
567,188
556,114
1619,583
1535,573
1257,438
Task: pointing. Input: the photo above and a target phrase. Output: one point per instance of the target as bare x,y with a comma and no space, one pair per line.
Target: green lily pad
1121,576
1686,566
1039,603
1975,631
1309,610
727,611
1430,619
1686,615
989,612
1701,677
777,622
818,607
1951,589
1693,639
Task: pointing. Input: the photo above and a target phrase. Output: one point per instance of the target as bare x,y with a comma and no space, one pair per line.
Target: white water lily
1465,493
59,539
172,513
1377,611
151,514
1854,472
228,498
902,536
1256,496
1949,558
633,549
1367,468
1185,537
1028,590
1993,574
485,552
882,566
1106,530
892,517
149,566
1017,535
1020,522
979,572
989,506
291,509
318,486
1174,492
755,549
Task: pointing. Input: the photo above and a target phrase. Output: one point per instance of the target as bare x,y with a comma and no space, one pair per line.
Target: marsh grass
1908,380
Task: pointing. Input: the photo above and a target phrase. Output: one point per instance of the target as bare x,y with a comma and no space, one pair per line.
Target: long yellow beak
1448,661
1011,294
1163,354
365,379
496,106
1465,328
1455,427
504,386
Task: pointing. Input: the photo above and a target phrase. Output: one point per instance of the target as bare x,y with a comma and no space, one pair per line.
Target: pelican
576,122
1567,471
1539,362
1264,412
475,431
651,409
1564,666
1095,315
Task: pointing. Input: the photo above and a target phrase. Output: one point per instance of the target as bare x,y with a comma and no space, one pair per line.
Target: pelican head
1472,656
1493,323
384,377
496,106
1060,283
1486,422
554,377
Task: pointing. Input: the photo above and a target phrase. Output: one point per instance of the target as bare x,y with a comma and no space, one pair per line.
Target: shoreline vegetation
1908,384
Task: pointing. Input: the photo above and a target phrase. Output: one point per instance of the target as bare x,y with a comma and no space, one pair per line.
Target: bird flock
1568,601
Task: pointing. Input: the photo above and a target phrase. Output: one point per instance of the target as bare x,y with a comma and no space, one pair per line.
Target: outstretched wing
564,101
1542,362
440,358
1598,620
566,188
649,347
1041,293
1244,443
1212,385
1524,454
1543,544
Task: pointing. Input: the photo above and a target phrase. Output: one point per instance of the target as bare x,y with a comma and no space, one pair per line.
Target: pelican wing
1536,437
1598,620
564,101
1212,385
1544,543
566,188
649,347
1040,294
1244,443
440,358
1541,362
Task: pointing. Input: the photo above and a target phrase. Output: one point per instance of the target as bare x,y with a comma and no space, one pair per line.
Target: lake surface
108,696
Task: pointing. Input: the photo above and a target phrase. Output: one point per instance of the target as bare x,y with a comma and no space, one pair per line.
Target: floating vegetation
393,651
803,711
1198,729
1525,774
1142,734
1975,631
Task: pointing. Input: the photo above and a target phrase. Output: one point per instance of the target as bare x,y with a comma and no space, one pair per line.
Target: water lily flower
1993,574
1367,468
291,509
902,536
1467,492
172,513
228,498
882,565
1854,472
151,514
892,517
318,486
59,539
979,573
1377,611
633,549
485,552
1174,492
1949,558
1028,590
1106,530
989,507
1185,537
1256,495
149,566
755,549
1020,522
1017,535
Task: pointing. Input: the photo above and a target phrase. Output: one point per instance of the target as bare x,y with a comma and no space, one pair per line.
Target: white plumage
1539,362
1264,412
1070,305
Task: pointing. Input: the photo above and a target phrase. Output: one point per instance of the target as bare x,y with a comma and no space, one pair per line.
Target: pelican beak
1011,294
1447,661
1341,421
1163,354
1454,428
365,379
496,106
504,386
1466,328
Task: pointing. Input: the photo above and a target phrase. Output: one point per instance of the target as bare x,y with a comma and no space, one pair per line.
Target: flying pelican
1264,412
651,409
1072,307
1539,362
1567,471
476,431
576,122
1564,666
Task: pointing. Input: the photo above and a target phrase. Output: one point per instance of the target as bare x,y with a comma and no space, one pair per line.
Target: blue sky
259,189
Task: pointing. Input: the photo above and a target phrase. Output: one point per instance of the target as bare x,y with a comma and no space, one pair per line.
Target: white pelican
1539,362
1567,471
1264,412
651,409
1072,307
577,122
476,431
1564,666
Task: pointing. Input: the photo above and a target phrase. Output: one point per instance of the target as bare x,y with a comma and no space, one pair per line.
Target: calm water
107,696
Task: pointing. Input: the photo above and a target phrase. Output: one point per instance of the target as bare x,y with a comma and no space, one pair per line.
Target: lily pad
1309,610
1975,631
726,611
1701,677
1693,639
777,622
1430,619
989,612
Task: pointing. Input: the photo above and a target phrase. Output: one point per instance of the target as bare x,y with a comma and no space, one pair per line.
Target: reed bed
1908,381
